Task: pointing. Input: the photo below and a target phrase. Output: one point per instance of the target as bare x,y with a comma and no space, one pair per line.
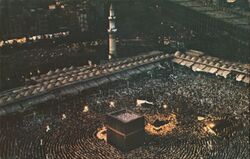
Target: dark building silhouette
20,18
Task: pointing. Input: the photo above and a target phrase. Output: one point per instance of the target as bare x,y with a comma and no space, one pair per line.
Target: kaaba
125,130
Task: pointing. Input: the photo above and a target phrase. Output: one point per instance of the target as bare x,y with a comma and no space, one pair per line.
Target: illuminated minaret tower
112,31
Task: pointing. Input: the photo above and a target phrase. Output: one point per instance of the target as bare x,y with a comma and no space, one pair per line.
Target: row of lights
33,38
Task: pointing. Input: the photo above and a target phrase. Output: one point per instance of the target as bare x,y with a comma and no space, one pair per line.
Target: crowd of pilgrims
67,127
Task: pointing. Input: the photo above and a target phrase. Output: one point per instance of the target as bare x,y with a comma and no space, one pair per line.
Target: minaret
112,32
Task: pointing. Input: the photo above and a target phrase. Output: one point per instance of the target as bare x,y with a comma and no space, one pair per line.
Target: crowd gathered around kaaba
67,127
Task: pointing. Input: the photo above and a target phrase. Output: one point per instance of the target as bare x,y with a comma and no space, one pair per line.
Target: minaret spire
112,33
